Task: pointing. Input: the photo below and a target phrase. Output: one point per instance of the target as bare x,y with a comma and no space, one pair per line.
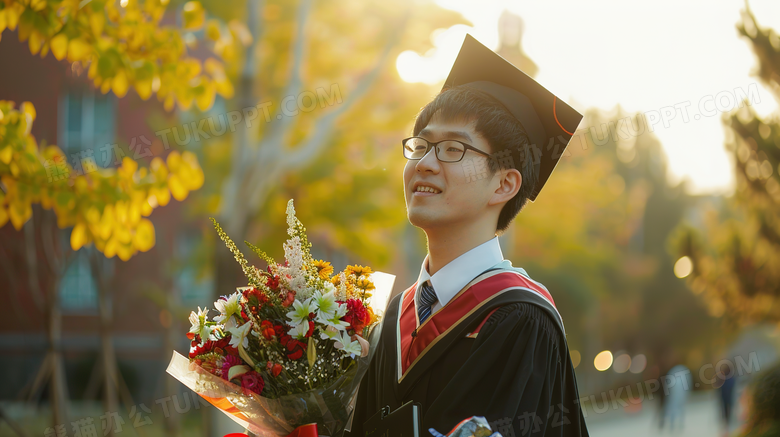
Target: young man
475,336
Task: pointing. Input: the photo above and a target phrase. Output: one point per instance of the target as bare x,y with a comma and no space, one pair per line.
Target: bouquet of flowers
287,351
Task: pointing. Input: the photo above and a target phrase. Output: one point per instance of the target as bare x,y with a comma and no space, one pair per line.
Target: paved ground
701,420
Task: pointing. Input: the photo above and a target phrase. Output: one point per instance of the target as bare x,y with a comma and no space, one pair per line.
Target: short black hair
502,132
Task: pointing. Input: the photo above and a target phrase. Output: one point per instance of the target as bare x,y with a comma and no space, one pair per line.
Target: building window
86,128
196,287
78,291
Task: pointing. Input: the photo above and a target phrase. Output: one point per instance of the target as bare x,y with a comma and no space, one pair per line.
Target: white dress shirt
450,279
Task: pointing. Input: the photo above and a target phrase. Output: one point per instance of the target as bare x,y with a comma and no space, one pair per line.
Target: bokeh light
683,267
622,363
638,364
603,361
576,357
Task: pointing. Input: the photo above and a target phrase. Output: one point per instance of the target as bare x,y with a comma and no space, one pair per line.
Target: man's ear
507,183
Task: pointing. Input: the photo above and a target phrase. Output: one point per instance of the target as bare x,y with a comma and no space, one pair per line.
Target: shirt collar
450,279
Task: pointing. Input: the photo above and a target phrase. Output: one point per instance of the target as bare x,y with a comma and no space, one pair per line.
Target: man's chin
421,219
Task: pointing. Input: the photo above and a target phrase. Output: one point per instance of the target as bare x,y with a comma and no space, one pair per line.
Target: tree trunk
107,354
52,368
58,388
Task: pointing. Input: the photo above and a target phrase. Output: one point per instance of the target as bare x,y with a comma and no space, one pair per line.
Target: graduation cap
549,122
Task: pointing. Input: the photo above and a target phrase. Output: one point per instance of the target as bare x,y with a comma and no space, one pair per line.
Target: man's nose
428,161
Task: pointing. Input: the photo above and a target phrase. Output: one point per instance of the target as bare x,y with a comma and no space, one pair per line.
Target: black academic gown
517,373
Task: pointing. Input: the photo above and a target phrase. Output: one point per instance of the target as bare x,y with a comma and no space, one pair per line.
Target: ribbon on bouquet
309,430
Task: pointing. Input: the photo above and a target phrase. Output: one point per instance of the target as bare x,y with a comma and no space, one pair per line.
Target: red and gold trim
473,334
413,339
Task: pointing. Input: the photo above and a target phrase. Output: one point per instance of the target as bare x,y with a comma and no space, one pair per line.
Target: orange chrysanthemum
364,284
324,268
358,270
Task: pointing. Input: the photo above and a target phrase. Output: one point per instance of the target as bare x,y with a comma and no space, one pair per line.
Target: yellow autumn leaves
106,207
124,46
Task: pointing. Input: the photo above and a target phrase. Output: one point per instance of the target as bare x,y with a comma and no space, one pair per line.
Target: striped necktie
427,299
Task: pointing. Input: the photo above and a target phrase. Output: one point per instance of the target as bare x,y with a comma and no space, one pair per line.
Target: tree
736,259
330,146
122,47
596,237
107,207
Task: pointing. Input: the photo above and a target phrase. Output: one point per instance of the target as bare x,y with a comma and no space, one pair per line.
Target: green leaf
109,63
237,370
63,197
193,15
311,352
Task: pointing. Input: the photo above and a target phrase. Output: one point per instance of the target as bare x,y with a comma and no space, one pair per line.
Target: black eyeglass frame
436,149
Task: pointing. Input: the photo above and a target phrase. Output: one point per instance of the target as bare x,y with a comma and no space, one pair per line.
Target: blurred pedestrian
676,385
725,384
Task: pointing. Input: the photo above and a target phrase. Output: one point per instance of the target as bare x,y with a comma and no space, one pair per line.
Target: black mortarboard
549,122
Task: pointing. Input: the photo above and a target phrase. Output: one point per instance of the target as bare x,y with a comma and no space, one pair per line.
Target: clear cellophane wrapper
329,407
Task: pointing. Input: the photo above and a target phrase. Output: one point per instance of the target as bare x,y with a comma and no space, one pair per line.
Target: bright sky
644,56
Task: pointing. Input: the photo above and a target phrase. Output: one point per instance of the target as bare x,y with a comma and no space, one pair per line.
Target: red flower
277,369
196,350
295,348
229,362
252,381
257,294
221,346
273,281
289,299
267,329
357,316
311,329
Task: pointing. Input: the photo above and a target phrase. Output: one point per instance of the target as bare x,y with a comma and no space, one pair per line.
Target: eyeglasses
446,151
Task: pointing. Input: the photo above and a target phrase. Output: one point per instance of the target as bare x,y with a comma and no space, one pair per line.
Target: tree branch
323,128
241,158
295,85
304,153
31,254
